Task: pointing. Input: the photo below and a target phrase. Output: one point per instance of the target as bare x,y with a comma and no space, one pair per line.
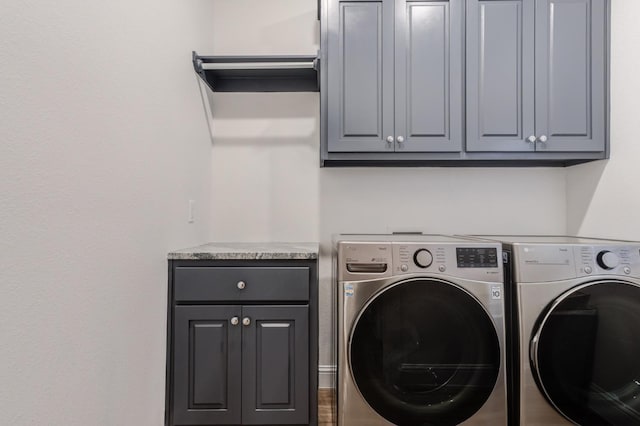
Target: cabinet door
570,75
500,75
275,363
428,77
207,362
360,76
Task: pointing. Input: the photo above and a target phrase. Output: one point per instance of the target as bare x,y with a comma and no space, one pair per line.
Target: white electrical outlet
191,218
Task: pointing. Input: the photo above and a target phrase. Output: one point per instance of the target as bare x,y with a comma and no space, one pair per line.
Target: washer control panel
472,261
365,260
411,258
477,257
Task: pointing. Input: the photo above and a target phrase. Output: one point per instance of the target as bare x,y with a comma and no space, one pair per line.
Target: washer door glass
425,352
585,354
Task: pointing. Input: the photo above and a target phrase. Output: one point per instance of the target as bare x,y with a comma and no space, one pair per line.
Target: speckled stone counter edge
247,251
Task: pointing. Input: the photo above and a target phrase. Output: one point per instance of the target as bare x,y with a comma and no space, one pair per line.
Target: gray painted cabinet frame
529,78
222,371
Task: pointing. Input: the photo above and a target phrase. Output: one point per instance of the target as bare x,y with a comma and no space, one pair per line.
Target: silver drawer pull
246,321
235,321
241,285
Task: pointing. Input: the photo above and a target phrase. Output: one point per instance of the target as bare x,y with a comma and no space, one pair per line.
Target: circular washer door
585,353
424,352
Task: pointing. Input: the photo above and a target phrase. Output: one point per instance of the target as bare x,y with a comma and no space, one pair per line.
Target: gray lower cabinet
253,362
493,82
275,365
207,365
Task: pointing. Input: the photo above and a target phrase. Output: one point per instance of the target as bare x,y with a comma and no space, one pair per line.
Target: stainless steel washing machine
420,331
578,320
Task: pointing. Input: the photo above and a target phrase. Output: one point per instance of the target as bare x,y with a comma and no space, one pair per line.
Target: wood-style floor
325,415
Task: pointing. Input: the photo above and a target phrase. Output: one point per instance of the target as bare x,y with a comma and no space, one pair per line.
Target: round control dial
423,258
607,259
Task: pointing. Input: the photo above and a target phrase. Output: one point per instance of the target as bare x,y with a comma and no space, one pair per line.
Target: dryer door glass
425,352
585,354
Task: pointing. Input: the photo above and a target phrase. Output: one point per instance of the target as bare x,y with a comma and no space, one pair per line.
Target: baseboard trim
326,376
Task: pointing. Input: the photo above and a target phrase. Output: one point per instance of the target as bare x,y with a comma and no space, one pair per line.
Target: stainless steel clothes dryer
578,320
420,331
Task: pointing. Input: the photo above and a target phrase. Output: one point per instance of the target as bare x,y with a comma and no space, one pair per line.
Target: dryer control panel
555,262
608,260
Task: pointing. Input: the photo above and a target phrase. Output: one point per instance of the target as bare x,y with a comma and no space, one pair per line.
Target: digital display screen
473,257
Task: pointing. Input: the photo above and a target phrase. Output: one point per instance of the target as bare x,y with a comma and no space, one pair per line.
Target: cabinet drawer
260,284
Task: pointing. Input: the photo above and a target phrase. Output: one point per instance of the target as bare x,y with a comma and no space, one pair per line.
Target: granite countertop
247,251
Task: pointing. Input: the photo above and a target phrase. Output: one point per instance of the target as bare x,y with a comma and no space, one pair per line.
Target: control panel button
588,270
607,259
627,270
404,268
442,268
423,258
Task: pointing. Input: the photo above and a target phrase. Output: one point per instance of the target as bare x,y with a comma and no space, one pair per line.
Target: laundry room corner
602,197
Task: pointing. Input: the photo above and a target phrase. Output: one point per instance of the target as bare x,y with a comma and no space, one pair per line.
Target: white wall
102,142
267,185
603,199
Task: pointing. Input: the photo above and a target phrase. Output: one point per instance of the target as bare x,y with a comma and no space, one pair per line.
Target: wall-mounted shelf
258,73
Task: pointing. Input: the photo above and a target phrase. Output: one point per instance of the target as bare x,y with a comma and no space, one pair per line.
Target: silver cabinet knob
542,139
531,139
400,139
390,139
241,285
246,321
235,321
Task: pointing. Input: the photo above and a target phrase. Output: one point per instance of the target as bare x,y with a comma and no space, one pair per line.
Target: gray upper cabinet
394,76
536,75
500,75
428,75
361,76
570,75
464,82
